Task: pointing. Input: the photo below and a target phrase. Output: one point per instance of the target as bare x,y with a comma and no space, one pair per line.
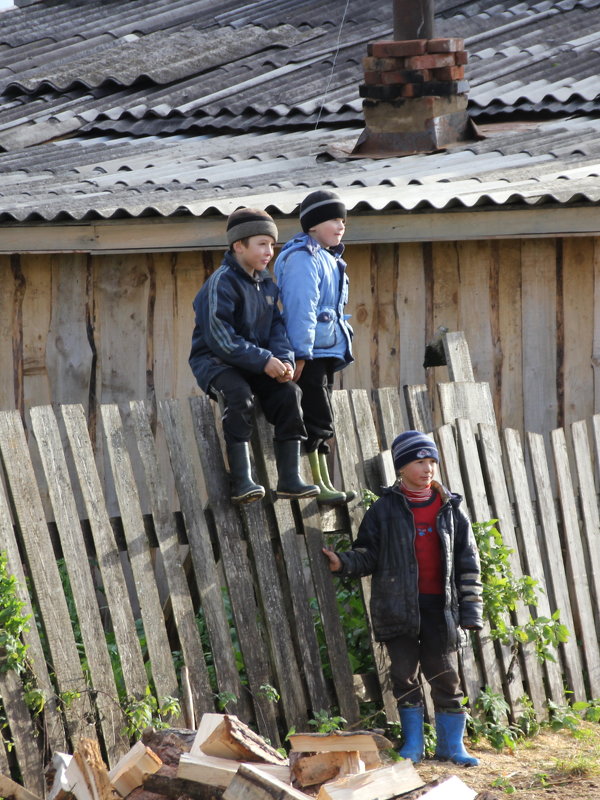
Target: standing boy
240,351
417,543
312,279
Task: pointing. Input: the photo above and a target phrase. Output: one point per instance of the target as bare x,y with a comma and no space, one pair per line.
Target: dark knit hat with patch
320,206
411,446
250,222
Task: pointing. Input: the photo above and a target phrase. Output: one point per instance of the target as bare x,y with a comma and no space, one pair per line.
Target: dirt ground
549,766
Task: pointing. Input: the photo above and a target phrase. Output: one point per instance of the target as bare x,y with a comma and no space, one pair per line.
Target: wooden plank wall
254,574
92,329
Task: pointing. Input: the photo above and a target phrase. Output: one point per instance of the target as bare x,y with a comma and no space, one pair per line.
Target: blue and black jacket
238,323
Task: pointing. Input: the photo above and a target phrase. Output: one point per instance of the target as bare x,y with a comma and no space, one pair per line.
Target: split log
86,776
128,772
250,783
10,790
339,741
378,784
219,772
169,744
165,782
208,724
233,739
316,768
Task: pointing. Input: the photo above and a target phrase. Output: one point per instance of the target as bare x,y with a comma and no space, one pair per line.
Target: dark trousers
280,402
316,382
429,652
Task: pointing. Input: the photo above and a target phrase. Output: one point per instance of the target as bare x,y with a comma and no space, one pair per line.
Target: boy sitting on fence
240,351
417,543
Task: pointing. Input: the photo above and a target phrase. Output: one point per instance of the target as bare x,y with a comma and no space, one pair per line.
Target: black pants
437,663
280,402
316,382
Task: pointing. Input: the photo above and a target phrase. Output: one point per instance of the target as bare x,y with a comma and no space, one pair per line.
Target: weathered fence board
173,560
275,618
55,735
236,566
73,548
498,492
532,547
390,420
205,570
589,511
579,581
290,542
369,457
477,501
107,552
42,566
140,557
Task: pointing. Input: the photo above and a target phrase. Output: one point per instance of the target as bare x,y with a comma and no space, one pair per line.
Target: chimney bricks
415,95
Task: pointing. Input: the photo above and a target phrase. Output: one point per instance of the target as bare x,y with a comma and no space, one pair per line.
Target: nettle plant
502,591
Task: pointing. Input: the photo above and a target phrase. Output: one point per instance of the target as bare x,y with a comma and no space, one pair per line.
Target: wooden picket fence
214,584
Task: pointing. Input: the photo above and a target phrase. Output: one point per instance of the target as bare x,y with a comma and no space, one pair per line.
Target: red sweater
427,544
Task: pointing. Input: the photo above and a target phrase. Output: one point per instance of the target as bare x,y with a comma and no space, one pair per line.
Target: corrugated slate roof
168,107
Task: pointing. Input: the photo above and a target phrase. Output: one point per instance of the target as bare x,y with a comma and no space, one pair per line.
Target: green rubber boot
327,494
327,480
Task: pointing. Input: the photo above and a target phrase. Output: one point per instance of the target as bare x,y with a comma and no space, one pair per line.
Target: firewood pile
225,760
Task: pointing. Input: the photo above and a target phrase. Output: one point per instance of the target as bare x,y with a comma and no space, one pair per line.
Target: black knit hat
250,222
411,446
320,206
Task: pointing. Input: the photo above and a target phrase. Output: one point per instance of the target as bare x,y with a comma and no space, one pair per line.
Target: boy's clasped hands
281,371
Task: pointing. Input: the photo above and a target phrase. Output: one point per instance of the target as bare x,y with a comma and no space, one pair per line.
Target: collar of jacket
313,246
231,261
445,494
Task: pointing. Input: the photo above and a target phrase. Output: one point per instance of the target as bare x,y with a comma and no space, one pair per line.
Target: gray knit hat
410,446
320,206
250,222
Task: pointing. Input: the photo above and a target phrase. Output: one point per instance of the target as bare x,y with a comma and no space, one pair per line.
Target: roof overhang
207,233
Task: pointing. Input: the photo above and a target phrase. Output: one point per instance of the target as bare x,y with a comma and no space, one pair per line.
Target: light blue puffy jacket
313,287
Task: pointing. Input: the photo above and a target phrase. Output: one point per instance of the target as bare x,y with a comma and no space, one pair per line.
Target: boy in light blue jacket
313,284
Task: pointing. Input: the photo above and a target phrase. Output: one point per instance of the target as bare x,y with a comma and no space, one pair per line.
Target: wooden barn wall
91,329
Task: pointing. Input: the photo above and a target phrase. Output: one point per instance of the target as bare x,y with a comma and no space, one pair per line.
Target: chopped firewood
251,783
338,741
219,772
56,771
316,768
168,744
208,724
233,739
86,776
451,789
379,784
12,791
165,782
128,772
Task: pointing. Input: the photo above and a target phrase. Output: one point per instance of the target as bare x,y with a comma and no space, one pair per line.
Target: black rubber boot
243,488
290,484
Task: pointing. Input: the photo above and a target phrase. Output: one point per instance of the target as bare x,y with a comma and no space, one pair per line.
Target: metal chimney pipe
413,19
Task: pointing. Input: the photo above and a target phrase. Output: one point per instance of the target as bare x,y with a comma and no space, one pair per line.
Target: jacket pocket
325,330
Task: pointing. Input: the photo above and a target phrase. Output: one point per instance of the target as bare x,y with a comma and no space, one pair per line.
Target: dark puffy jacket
385,549
238,323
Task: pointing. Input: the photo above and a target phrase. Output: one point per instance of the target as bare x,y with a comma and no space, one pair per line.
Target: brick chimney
414,91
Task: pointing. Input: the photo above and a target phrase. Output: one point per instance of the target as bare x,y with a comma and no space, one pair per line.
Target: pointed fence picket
242,597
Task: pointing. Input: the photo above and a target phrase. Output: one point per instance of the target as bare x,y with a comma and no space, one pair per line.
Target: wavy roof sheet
161,107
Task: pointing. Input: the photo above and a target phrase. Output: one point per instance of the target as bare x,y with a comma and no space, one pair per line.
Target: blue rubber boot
450,730
411,719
